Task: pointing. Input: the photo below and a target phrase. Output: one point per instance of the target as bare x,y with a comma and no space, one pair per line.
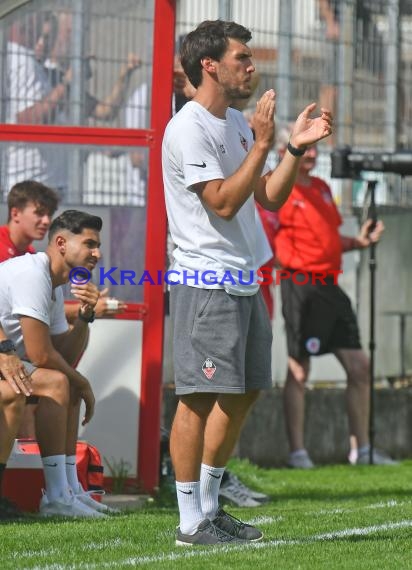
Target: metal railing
362,70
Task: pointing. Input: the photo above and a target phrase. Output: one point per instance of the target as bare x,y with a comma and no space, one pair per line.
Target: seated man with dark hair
31,206
32,317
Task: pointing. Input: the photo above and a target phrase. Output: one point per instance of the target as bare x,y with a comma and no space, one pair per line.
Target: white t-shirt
198,147
27,83
26,289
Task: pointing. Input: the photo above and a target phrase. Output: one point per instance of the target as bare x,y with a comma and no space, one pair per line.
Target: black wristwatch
294,151
87,319
7,346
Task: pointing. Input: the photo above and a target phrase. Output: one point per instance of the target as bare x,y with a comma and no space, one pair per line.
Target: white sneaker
300,460
378,458
66,506
86,498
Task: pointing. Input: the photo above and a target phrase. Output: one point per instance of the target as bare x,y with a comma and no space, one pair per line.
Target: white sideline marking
391,503
102,545
194,552
264,520
342,510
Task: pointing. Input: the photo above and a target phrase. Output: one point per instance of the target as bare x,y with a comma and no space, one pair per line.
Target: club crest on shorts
209,368
313,345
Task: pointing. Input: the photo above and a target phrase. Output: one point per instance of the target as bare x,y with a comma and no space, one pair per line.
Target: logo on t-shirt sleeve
243,142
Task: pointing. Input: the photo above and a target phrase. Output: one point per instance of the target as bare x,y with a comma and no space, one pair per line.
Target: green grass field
330,517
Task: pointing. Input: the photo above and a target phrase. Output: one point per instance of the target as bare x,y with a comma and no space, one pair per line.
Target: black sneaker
9,511
235,527
207,533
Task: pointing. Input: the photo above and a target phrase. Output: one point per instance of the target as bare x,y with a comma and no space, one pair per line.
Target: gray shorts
30,369
221,343
29,366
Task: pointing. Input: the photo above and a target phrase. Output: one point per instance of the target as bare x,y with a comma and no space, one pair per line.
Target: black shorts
32,400
318,318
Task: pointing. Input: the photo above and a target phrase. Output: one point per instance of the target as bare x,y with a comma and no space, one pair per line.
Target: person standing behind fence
367,40
39,94
212,171
318,314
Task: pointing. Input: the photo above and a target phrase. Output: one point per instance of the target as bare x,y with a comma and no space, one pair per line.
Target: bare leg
28,424
356,365
206,429
294,402
51,413
72,422
223,426
11,412
187,435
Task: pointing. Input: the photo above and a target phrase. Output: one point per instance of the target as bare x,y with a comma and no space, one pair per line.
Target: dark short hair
75,222
31,26
28,191
209,39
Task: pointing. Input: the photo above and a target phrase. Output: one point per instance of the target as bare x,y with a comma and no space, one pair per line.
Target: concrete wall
263,438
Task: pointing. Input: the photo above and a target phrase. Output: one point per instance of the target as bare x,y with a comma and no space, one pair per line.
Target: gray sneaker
229,480
379,457
207,533
235,527
300,460
237,494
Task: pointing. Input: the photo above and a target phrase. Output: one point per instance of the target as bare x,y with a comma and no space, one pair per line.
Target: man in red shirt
31,206
318,315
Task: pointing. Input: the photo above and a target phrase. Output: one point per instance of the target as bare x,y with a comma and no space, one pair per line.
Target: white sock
54,468
210,479
190,510
71,473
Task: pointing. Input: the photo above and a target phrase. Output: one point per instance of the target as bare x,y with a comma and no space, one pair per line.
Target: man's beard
237,93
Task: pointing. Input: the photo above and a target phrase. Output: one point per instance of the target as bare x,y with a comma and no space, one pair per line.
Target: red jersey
270,222
7,247
308,238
